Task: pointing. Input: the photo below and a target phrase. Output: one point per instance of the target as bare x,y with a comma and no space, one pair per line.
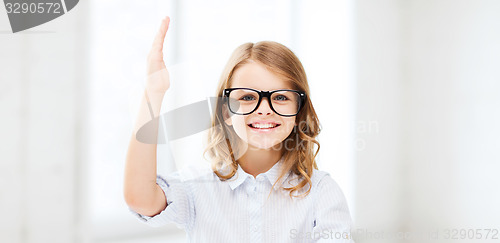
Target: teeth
263,125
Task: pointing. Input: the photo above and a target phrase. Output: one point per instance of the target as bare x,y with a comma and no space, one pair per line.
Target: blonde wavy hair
301,159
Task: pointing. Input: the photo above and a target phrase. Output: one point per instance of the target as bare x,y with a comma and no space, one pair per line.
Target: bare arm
141,192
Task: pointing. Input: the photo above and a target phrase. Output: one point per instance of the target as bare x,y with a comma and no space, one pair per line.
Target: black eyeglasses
284,102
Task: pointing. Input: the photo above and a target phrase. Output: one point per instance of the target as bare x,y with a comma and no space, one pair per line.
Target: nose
264,108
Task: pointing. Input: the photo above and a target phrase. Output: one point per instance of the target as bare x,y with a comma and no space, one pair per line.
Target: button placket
251,188
255,228
253,191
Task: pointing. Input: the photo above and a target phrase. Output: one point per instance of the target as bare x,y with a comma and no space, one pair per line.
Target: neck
256,161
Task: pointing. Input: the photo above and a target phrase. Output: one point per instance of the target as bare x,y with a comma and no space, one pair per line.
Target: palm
158,77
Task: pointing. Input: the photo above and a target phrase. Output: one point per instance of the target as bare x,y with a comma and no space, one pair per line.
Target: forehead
256,76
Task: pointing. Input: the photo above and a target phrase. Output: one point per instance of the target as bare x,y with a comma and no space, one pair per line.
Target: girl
264,185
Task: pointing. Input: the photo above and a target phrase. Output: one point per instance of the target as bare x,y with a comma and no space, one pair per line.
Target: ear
225,115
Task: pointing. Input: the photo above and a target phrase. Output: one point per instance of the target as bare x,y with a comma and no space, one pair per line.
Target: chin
266,145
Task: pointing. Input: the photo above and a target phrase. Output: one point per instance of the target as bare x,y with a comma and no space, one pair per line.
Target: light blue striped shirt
239,210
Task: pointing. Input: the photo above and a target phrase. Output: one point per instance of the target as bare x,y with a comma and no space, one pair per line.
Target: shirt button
255,229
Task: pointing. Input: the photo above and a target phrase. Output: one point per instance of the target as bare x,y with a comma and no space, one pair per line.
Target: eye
281,98
247,98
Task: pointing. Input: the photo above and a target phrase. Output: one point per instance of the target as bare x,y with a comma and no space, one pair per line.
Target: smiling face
262,129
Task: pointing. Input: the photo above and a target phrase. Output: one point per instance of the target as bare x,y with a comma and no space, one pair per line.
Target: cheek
288,125
239,125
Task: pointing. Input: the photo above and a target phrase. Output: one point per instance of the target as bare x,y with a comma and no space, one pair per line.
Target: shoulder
321,183
320,177
324,183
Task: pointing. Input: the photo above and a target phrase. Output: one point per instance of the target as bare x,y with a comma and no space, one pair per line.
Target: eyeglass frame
266,94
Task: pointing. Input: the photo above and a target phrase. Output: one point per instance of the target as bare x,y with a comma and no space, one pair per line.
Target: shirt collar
271,175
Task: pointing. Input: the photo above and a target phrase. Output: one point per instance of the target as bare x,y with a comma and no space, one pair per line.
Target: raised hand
158,80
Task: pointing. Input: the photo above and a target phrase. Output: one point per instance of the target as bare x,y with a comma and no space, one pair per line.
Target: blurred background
407,92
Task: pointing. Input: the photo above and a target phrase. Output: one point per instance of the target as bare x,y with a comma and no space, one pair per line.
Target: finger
160,36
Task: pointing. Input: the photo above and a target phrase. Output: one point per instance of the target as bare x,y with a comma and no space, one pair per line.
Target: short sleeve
180,209
332,218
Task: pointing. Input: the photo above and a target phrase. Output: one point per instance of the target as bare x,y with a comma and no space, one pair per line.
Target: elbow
134,199
131,200
140,204
136,205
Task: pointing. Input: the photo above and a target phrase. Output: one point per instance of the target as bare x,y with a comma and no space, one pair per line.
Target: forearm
140,189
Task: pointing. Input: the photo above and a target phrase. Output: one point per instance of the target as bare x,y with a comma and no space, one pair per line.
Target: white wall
378,121
428,74
452,116
42,83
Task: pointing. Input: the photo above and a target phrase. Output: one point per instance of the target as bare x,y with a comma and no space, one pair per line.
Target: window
201,37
